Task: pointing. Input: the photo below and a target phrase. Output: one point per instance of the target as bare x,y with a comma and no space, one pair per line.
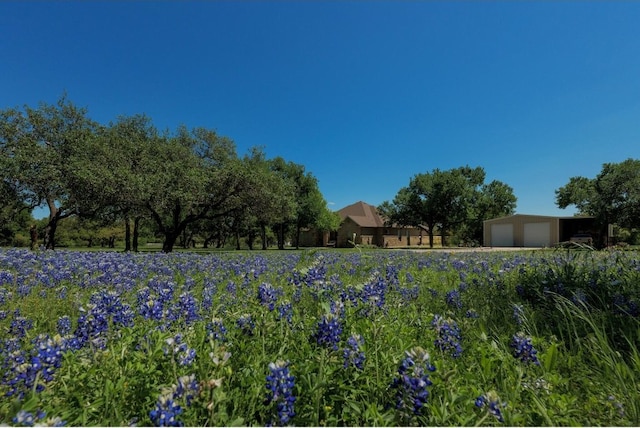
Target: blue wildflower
448,339
268,295
328,332
285,311
64,325
216,330
280,384
179,350
491,401
246,324
352,353
453,299
19,325
523,349
518,313
413,381
168,407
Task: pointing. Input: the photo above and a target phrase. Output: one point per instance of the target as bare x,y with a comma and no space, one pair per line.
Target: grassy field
322,337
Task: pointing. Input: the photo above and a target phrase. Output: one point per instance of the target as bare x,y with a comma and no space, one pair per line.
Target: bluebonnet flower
518,313
92,326
27,419
180,350
64,325
328,332
231,288
352,353
491,401
268,295
151,309
246,324
409,277
471,314
209,290
413,381
280,384
19,325
165,413
186,308
453,299
26,371
448,339
285,311
373,295
216,330
523,349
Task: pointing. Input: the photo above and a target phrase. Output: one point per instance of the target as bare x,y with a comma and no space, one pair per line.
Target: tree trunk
263,236
430,238
297,237
50,229
280,236
127,234
136,232
251,238
170,238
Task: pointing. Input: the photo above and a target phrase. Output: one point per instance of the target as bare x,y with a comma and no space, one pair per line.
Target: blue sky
365,94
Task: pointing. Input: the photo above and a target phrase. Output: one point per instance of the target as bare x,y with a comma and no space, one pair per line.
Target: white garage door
537,234
502,235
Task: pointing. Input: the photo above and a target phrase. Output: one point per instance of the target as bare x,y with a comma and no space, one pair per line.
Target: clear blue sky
364,94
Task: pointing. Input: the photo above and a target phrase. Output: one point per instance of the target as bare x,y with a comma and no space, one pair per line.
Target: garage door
537,234
502,235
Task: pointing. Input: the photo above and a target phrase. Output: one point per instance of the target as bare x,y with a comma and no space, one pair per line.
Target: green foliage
612,197
453,200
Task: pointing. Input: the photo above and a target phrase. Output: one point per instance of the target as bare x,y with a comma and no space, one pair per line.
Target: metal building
522,230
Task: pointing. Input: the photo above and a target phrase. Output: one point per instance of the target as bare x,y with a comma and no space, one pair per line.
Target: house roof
363,214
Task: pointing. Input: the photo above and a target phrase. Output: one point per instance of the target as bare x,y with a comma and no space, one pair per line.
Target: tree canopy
182,182
612,197
455,200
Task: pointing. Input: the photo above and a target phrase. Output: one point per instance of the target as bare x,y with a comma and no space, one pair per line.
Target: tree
110,172
612,197
449,200
310,206
193,176
40,142
492,200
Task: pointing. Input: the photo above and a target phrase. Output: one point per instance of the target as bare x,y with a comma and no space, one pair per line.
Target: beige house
521,230
362,224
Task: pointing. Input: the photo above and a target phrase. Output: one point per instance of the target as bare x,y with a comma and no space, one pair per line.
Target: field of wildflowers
319,338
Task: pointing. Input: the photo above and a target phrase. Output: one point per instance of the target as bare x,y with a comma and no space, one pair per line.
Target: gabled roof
363,214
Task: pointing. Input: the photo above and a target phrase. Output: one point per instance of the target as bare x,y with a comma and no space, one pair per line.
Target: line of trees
186,182
454,201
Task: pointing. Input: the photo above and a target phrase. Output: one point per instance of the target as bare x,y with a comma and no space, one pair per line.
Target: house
523,230
361,224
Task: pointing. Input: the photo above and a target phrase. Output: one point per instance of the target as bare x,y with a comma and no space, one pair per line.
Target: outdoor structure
362,224
521,230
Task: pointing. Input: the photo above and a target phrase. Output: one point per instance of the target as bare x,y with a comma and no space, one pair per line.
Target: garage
502,235
535,231
521,230
537,234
